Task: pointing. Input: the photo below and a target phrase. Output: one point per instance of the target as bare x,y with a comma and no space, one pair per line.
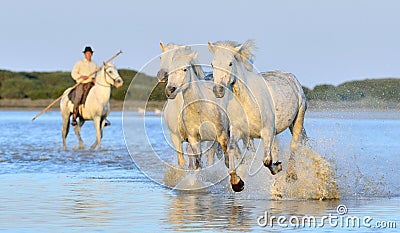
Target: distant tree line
50,85
387,89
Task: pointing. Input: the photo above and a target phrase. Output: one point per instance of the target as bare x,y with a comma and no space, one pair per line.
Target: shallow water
46,189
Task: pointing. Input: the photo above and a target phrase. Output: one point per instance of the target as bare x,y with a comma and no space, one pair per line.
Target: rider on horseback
80,73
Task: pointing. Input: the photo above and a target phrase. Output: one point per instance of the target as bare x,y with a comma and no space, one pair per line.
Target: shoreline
131,105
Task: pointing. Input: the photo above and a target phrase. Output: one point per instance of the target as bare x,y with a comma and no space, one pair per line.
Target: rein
105,78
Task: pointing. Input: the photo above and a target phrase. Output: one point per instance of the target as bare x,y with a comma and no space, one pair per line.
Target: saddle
80,93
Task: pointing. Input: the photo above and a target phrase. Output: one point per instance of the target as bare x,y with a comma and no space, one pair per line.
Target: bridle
105,78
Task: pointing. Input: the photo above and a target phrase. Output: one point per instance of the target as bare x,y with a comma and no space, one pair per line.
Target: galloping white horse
278,100
173,107
201,118
204,117
96,108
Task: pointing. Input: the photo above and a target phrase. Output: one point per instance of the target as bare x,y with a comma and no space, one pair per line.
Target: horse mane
245,51
198,70
171,46
186,50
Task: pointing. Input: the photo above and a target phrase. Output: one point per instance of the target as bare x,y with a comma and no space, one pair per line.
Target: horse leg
65,129
102,125
97,126
298,134
177,143
211,152
196,151
77,130
189,152
249,143
268,138
236,182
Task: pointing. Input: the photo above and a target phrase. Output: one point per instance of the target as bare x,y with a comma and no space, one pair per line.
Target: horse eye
185,69
230,64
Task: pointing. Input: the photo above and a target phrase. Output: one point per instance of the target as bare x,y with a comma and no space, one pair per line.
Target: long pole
73,87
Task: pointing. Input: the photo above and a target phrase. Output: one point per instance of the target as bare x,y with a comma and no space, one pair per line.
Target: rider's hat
88,49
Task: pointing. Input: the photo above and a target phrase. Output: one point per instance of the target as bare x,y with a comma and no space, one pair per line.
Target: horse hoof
267,162
291,177
239,186
275,168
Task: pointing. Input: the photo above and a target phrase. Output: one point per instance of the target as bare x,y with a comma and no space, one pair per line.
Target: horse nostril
162,75
219,91
218,88
170,90
215,89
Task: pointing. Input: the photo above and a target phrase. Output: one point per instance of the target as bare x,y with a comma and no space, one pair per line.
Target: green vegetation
50,85
368,90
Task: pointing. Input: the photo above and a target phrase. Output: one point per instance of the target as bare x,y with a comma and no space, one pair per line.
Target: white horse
278,98
204,117
96,108
173,107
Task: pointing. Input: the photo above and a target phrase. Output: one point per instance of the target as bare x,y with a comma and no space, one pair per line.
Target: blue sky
319,41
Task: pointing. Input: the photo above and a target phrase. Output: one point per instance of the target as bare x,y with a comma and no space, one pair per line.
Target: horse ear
238,55
104,63
193,55
211,47
162,46
243,54
238,48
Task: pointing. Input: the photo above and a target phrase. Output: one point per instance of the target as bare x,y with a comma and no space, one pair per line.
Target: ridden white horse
96,108
173,107
275,104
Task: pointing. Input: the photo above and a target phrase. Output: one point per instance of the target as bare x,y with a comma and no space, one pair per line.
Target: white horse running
96,108
173,107
201,118
281,91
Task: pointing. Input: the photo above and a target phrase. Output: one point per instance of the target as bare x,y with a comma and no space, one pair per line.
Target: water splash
316,178
320,176
181,179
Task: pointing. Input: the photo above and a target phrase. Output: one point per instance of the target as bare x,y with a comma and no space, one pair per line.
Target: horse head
228,57
111,75
180,70
168,52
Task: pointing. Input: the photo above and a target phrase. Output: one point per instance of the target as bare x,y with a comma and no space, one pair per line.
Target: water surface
46,189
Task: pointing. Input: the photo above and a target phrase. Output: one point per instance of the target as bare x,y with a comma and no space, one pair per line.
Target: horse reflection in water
96,108
200,210
205,210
